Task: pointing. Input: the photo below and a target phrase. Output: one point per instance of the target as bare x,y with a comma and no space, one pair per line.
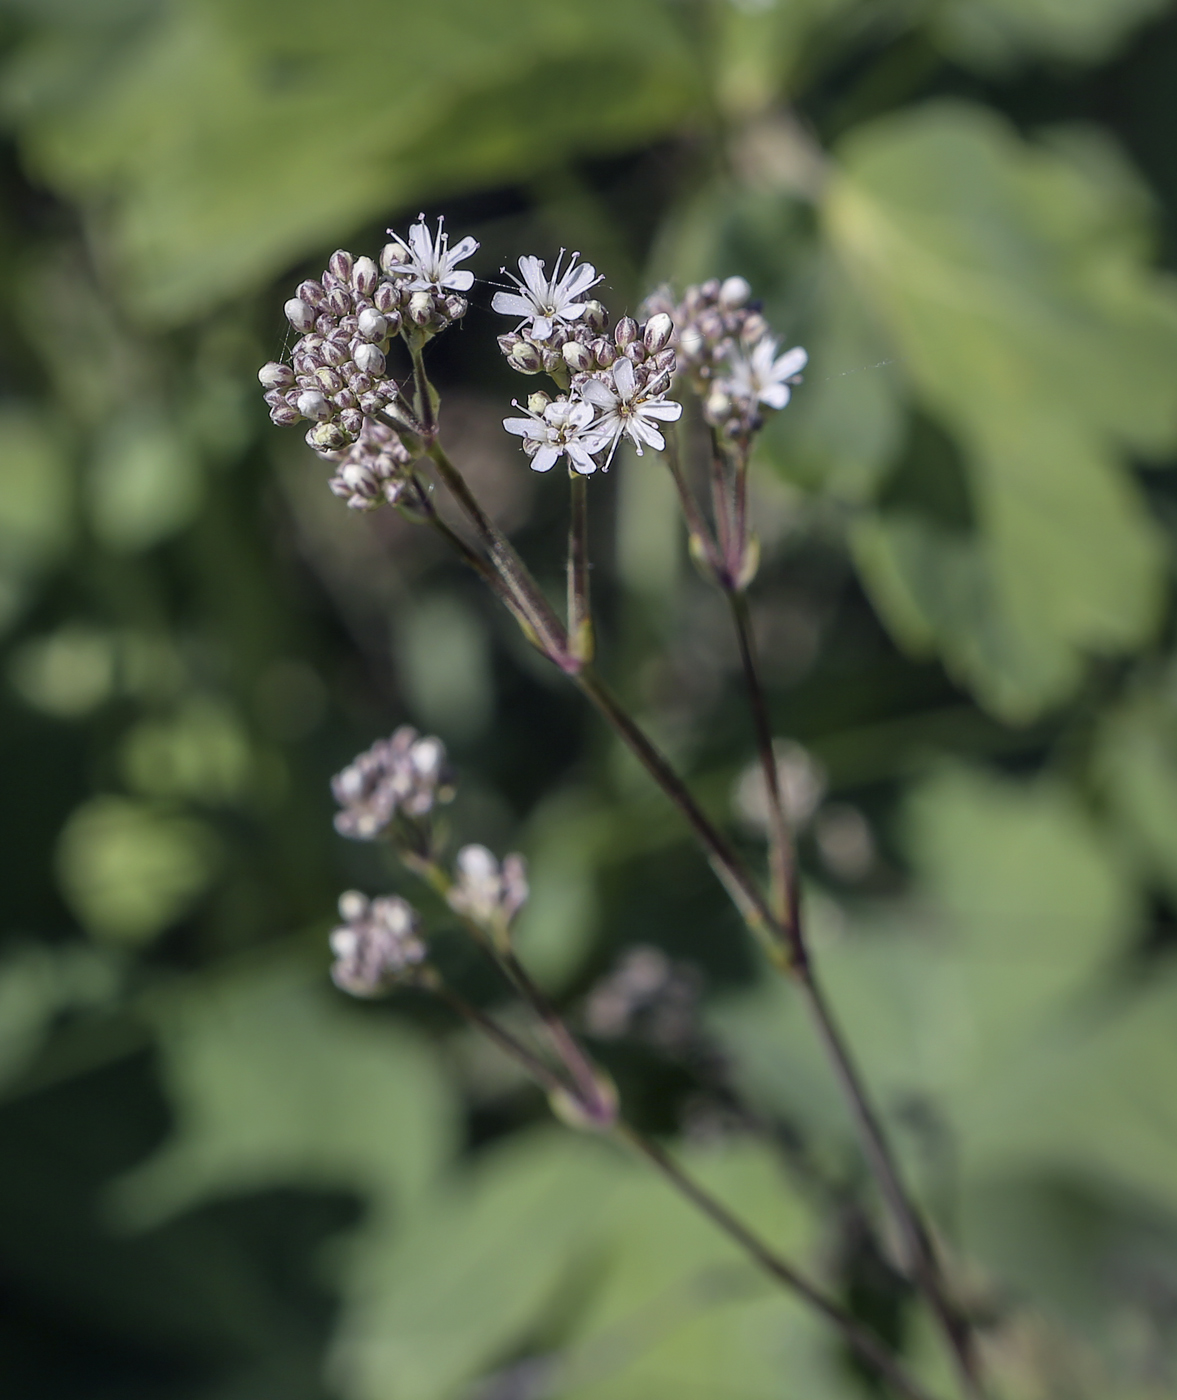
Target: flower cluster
484,890
377,943
727,352
337,377
616,385
647,996
405,773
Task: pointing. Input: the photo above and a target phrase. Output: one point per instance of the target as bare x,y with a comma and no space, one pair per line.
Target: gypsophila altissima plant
708,361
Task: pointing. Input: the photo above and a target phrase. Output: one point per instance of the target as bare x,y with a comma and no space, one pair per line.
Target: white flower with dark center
429,260
545,300
761,377
627,408
563,428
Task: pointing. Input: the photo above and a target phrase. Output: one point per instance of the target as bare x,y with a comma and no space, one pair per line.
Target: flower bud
658,331
276,376
386,297
718,406
665,361
284,415
604,352
421,308
525,357
337,302
578,357
311,292
754,329
371,324
391,254
330,381
709,291
340,264
313,405
553,361
351,420
369,359
636,352
734,292
364,276
372,402
536,403
346,398
333,354
326,437
595,316
360,383
299,314
456,307
626,332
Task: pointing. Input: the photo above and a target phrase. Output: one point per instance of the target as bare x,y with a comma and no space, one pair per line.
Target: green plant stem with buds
767,1259
783,939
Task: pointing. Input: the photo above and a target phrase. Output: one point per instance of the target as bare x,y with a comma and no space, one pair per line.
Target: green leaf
992,33
1009,281
233,138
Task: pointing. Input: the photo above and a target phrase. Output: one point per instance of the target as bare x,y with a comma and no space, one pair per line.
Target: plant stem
700,534
862,1341
580,618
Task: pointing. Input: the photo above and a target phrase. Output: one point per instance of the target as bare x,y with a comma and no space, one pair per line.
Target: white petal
623,377
579,281
541,328
545,459
523,427
465,249
641,431
458,281
665,409
580,415
790,363
511,304
775,395
580,459
421,242
533,274
596,391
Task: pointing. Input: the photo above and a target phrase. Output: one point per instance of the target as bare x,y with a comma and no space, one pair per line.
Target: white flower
627,409
430,261
563,427
545,300
761,377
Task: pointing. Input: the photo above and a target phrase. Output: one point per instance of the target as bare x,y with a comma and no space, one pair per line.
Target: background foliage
222,1182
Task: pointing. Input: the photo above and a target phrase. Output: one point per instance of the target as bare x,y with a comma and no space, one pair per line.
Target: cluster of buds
374,469
336,378
649,997
728,354
485,891
404,774
376,945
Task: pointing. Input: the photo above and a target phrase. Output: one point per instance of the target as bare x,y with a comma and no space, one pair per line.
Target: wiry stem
701,538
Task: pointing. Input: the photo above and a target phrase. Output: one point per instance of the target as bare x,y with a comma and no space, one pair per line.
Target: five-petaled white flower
626,408
563,427
545,300
760,377
431,261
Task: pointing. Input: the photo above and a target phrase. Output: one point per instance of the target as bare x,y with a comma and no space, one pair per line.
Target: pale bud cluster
374,469
484,890
647,996
726,349
404,774
376,945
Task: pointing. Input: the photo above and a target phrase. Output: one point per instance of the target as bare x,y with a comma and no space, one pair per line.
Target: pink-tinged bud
578,357
553,361
364,276
284,415
636,352
508,342
754,329
421,308
333,354
658,331
391,254
536,403
394,321
299,314
351,420
604,352
372,402
337,302
626,332
311,292
341,263
345,399
456,307
709,291
734,292
526,358
389,388
329,380
313,405
372,325
360,383
274,397
665,361
276,376
595,316
369,359
327,437
386,297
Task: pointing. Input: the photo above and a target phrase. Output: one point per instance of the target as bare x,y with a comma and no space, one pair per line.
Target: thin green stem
702,540
771,1262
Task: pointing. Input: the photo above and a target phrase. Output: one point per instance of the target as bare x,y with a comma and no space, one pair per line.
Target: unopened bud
577,356
709,291
626,332
313,405
327,437
351,420
386,297
369,359
595,316
421,308
340,264
346,398
553,361
734,292
525,357
284,415
364,276
604,352
718,406
330,381
391,254
754,329
337,302
536,403
276,376
456,307
299,314
333,354
371,324
658,331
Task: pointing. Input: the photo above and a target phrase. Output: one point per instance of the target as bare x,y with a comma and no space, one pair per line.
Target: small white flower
563,427
431,261
545,300
760,377
627,409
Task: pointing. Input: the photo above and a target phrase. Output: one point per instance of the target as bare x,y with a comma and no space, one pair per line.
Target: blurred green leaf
38,983
36,504
143,484
202,753
129,869
992,33
1009,281
232,139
